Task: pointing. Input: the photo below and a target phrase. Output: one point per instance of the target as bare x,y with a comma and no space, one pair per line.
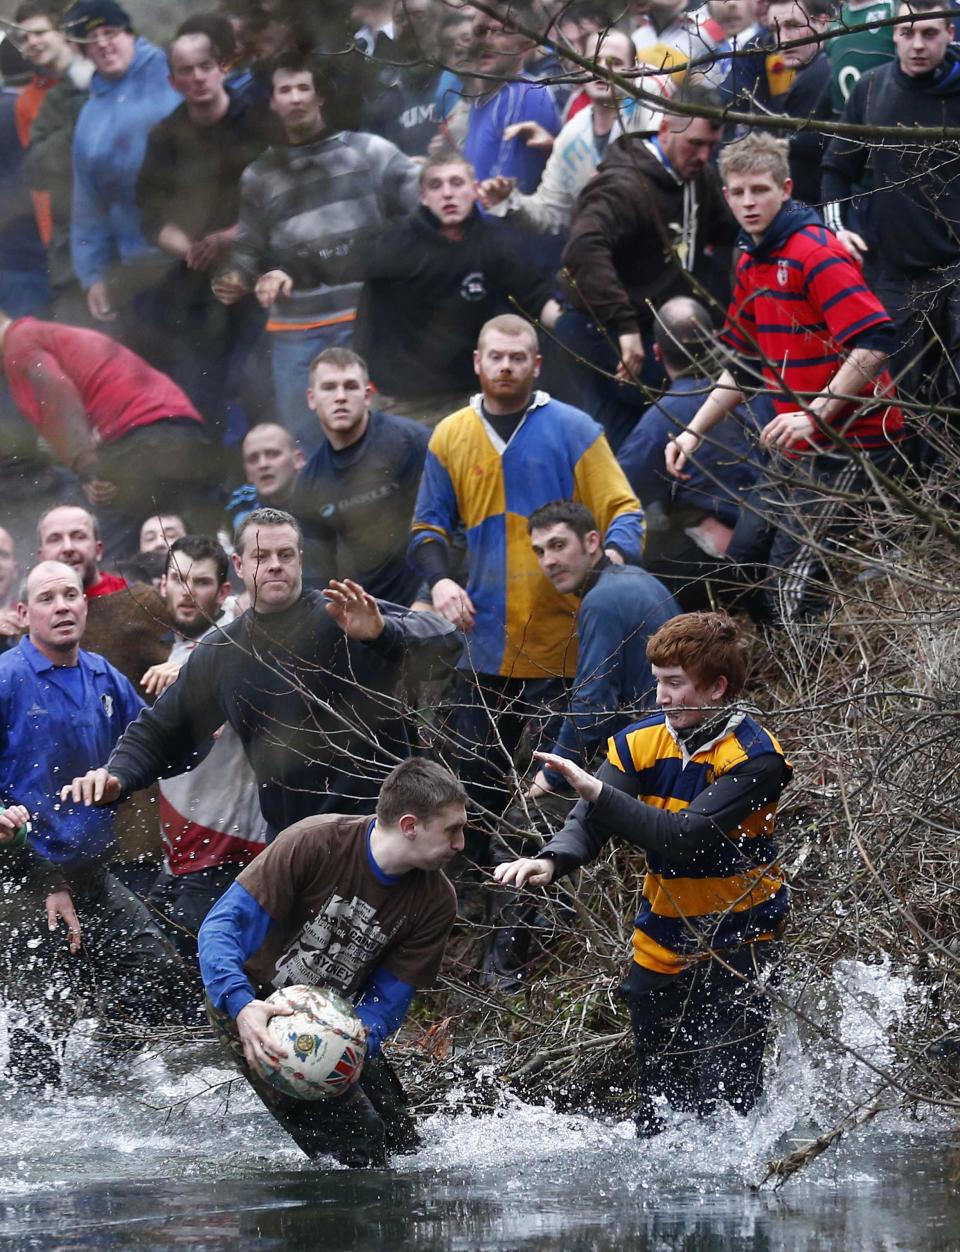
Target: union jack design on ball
346,1069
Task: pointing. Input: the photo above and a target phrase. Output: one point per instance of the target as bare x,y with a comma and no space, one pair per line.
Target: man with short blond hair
802,319
355,496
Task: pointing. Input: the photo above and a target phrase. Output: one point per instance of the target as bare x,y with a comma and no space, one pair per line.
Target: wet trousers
699,1035
358,1128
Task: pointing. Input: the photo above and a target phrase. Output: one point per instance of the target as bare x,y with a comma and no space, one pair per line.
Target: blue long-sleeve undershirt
236,927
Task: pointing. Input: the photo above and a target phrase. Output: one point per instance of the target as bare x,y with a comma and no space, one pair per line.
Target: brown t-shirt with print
337,918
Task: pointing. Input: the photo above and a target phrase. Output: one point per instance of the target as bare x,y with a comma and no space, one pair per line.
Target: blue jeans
291,352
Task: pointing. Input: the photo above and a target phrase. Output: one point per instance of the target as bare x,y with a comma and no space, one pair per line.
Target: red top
71,383
107,585
798,302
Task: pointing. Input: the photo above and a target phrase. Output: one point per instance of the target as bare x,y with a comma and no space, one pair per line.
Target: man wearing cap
129,93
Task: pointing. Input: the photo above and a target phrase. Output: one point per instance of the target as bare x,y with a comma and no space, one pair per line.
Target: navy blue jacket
727,466
356,506
621,608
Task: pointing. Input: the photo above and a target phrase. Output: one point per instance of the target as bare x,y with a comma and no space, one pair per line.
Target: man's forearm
724,397
856,373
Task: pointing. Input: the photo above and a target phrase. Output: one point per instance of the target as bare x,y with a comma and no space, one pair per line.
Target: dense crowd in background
399,379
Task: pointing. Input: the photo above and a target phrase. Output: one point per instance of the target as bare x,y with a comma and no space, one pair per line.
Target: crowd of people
414,391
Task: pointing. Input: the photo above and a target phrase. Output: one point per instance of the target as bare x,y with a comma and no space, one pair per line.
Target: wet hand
59,905
97,786
260,1052
11,820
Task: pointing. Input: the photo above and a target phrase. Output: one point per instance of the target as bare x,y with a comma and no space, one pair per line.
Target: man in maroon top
127,431
804,324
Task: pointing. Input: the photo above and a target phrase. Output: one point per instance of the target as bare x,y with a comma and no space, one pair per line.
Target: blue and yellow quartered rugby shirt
524,627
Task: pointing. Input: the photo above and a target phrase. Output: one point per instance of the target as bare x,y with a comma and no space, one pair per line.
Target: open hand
587,786
59,905
354,610
97,786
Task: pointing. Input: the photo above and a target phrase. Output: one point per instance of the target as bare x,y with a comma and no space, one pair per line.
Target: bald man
271,463
60,709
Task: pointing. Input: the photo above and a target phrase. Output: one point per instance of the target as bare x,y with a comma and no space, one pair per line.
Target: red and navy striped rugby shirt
798,301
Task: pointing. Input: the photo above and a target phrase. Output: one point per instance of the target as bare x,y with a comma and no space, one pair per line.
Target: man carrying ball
356,904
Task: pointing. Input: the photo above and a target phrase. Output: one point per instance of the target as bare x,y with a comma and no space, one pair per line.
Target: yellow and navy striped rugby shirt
734,893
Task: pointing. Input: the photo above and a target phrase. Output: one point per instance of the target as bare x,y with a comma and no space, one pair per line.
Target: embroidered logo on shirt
783,273
107,701
474,287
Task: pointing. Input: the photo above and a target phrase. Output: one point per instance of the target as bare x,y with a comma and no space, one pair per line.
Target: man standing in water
362,905
695,787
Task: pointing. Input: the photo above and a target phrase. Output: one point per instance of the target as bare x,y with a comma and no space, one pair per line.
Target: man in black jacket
911,216
431,284
643,230
354,498
307,680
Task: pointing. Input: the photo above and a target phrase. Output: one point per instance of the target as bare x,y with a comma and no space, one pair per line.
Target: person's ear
719,689
237,559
